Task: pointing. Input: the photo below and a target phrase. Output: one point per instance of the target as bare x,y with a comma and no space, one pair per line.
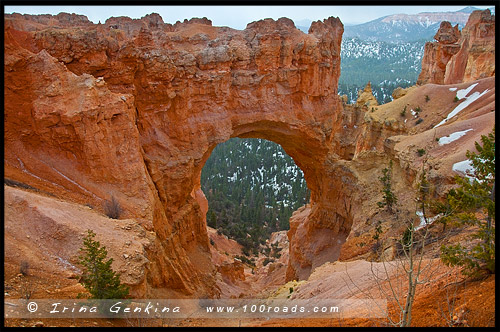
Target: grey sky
236,16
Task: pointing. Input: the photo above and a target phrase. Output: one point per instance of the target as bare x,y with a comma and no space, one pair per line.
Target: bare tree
397,280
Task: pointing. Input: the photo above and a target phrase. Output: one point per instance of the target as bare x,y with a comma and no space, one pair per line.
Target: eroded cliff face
133,109
463,56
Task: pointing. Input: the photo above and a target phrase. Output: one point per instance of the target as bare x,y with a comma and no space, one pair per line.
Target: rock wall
133,108
458,57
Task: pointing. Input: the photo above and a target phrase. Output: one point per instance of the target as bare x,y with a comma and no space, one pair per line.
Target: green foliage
403,112
473,203
378,231
267,260
211,219
456,99
427,98
407,239
418,109
98,277
389,198
421,152
245,260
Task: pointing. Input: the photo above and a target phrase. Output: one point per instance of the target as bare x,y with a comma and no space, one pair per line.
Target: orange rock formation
133,108
461,57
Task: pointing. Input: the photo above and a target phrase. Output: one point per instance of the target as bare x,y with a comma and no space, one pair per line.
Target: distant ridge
402,27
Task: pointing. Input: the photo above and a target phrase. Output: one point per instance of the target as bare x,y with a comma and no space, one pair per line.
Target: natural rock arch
151,102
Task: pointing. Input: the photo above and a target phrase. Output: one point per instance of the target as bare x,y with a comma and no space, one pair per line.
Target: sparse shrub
418,109
291,290
27,288
266,261
427,98
403,112
245,260
420,120
437,139
378,232
421,152
212,242
24,268
376,246
456,99
112,208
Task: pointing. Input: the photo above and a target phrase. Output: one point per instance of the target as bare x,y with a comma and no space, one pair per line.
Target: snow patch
468,100
452,137
461,94
453,89
423,223
465,167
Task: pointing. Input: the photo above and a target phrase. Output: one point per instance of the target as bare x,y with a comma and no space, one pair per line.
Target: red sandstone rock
132,108
366,97
461,57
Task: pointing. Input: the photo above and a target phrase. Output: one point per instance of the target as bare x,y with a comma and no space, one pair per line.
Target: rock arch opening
252,187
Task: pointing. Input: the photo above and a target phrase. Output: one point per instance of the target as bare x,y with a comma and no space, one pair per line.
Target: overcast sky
235,16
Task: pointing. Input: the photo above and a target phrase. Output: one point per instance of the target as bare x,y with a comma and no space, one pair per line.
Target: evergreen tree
473,203
389,198
98,277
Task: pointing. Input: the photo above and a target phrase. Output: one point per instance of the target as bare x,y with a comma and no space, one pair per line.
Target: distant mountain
406,28
401,27
470,9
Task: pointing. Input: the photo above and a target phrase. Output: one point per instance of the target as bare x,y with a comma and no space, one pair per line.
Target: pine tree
98,277
389,198
475,194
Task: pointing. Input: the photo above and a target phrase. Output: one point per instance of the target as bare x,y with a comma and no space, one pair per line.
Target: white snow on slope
453,89
422,224
465,167
461,94
452,137
468,100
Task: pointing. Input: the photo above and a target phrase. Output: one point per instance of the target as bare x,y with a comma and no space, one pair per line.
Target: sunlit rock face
463,56
132,109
